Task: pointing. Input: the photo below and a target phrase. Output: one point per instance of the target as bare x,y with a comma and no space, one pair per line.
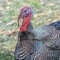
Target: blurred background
45,12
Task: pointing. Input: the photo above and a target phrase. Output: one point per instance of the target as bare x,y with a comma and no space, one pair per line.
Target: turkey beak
19,17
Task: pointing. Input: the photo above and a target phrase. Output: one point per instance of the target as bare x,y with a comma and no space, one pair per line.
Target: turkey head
26,14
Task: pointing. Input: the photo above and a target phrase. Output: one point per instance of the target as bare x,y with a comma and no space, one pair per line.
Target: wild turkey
42,43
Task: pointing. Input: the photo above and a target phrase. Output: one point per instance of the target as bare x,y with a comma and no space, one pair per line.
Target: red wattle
25,24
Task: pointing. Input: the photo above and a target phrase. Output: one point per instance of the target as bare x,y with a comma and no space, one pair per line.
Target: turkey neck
25,23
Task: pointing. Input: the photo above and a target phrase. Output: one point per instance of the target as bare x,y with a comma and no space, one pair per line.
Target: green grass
6,55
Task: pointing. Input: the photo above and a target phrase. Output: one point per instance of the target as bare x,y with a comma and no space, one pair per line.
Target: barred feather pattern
46,49
23,49
53,40
51,48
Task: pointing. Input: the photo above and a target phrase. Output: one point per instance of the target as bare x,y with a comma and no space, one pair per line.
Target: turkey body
35,50
42,43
